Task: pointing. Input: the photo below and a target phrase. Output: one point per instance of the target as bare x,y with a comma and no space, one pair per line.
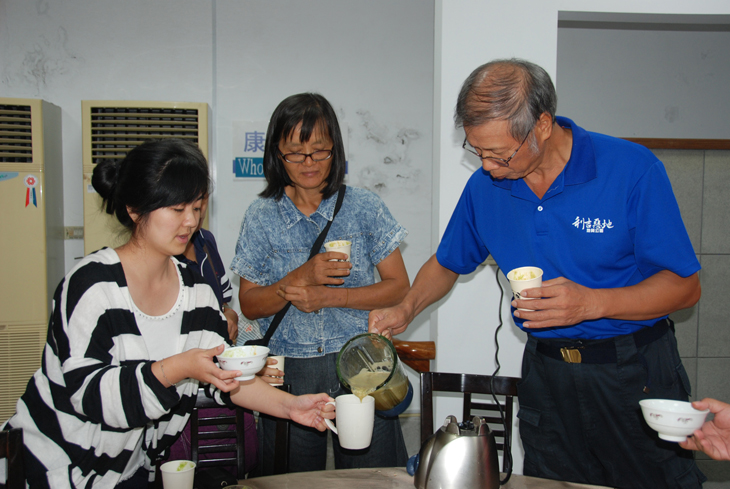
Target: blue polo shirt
609,220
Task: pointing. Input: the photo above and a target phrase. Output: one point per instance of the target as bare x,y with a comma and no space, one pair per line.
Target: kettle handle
412,465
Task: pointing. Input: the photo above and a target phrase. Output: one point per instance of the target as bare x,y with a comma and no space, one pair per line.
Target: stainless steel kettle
457,457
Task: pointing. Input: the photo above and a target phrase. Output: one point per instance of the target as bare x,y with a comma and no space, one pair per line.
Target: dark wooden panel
657,143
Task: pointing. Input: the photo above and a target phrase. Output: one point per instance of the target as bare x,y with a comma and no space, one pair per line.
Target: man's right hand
390,321
432,283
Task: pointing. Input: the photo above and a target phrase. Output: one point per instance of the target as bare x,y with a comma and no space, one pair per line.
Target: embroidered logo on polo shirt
592,225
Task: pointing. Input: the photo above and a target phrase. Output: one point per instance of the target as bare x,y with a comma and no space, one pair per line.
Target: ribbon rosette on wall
30,181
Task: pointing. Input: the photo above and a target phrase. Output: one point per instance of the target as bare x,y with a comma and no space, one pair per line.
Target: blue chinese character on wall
254,142
251,165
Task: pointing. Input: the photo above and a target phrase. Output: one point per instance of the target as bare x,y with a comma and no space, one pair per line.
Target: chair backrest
468,384
11,448
227,446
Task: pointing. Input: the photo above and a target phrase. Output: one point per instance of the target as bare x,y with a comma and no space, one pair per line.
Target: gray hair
514,90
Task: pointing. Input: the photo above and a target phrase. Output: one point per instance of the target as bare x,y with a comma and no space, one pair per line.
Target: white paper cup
340,247
178,474
279,363
524,278
354,421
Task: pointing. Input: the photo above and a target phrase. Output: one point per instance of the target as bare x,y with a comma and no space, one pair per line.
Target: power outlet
73,232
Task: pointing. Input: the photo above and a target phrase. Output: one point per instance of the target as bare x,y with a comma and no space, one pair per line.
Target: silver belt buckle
571,355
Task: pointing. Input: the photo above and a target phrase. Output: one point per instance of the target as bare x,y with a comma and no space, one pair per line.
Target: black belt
598,351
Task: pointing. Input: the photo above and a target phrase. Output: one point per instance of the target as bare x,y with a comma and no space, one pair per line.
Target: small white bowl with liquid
248,359
673,420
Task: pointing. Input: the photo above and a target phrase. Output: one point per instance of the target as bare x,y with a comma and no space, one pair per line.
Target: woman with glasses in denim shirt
304,166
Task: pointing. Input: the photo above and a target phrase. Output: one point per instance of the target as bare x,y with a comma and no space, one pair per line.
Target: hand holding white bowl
673,420
247,359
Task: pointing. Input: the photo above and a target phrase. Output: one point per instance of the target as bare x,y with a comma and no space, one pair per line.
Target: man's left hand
559,302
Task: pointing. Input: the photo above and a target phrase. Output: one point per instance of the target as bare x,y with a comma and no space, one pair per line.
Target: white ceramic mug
354,421
178,474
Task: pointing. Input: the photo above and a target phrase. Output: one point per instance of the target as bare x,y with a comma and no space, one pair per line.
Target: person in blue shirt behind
201,255
598,215
304,166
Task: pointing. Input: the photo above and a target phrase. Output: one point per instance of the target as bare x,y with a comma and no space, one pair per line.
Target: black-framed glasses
500,161
319,155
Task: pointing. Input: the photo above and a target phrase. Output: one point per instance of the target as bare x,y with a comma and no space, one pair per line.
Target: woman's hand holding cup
273,371
311,410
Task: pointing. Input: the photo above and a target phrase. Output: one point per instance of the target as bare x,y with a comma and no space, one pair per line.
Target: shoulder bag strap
315,249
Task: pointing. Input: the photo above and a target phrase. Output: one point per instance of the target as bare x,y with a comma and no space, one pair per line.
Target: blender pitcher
368,364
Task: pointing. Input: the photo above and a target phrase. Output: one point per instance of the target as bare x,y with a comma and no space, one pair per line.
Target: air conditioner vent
16,140
116,130
110,129
21,348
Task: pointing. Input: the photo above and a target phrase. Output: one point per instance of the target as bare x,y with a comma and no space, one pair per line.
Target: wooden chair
416,354
227,453
469,384
11,448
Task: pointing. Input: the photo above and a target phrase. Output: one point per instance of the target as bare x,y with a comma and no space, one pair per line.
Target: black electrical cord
507,453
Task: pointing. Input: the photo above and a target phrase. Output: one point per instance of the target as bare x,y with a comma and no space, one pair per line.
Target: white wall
641,81
65,52
469,33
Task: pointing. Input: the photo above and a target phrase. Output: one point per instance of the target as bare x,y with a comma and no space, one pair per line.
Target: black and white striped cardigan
94,413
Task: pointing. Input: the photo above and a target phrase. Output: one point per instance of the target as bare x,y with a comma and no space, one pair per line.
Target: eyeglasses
500,161
319,155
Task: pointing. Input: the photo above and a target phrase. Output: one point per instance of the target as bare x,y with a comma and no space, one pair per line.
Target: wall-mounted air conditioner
31,241
110,130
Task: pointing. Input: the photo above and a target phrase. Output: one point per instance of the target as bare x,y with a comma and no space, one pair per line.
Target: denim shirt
276,238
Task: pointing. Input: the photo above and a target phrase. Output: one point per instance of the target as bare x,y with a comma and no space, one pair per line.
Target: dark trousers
308,447
582,422
138,480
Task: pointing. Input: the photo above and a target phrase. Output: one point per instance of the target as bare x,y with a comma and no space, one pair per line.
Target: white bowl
673,420
247,359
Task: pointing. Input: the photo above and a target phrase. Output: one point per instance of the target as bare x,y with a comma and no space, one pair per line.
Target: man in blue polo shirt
598,215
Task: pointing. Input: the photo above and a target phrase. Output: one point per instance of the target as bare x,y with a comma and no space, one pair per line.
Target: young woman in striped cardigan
132,334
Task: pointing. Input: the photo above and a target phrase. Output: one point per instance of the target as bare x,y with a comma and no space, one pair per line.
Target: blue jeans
308,447
582,422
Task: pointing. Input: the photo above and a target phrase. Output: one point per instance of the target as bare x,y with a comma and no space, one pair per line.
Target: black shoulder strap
323,235
315,249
